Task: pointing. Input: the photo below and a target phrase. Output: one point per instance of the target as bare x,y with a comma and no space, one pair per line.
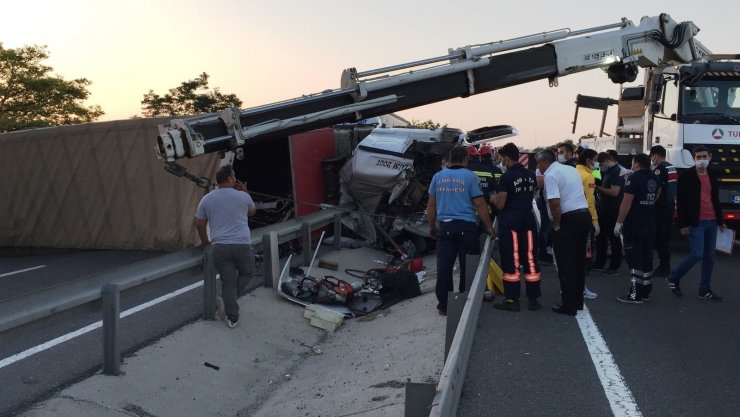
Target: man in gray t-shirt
227,210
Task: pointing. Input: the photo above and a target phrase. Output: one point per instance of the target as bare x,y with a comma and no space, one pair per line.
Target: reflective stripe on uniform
532,277
511,277
530,253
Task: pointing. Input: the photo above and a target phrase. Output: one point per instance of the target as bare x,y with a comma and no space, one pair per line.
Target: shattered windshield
711,102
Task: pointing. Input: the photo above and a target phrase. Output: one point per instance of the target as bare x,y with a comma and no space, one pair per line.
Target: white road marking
619,395
61,339
21,270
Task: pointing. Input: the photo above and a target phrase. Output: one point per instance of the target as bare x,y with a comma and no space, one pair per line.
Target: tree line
32,96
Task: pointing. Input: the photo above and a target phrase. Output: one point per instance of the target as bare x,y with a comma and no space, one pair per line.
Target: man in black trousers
571,223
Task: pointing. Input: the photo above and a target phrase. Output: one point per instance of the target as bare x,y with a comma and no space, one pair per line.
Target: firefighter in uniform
517,231
663,208
636,224
488,174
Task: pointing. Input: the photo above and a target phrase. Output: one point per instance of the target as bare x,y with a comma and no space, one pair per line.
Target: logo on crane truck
719,134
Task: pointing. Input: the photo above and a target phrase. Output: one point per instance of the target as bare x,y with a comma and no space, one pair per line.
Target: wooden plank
324,313
323,324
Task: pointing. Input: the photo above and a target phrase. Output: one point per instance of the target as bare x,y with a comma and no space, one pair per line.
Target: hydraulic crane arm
463,72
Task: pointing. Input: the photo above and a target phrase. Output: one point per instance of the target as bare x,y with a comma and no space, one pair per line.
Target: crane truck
619,49
680,107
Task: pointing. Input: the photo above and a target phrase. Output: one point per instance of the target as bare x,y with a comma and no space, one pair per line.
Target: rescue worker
454,199
487,173
610,198
636,223
517,231
586,161
663,208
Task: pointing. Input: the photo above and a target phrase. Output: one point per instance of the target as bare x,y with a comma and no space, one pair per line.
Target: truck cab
698,104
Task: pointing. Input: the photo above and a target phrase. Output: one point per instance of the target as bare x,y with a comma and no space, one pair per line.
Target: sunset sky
266,51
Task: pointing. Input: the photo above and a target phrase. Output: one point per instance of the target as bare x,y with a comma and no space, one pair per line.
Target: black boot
634,295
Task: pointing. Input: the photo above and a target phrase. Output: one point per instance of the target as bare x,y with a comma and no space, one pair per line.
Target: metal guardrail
31,307
450,384
34,306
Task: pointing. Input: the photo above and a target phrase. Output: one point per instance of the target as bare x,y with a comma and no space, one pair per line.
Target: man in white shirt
571,223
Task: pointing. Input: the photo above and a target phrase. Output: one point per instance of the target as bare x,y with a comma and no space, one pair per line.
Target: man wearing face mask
586,161
610,198
663,208
699,215
565,154
571,224
637,213
517,231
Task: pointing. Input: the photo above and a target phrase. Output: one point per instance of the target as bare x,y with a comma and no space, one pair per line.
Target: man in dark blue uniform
454,199
610,197
517,231
663,208
488,174
637,214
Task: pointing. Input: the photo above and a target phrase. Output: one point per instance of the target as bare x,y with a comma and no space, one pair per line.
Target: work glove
597,230
618,229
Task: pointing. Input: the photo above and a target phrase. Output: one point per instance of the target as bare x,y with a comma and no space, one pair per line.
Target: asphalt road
21,275
38,376
678,356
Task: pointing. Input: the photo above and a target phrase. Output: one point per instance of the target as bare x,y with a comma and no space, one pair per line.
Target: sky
267,51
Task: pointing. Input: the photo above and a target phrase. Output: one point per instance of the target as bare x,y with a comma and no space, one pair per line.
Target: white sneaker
231,324
590,294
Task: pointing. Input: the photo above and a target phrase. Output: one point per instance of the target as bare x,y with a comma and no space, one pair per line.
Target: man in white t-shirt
571,224
227,210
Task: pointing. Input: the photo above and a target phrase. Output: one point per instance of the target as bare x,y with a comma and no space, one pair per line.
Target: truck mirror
655,107
687,158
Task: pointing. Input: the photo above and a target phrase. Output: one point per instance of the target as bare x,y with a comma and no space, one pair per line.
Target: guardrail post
419,397
271,262
111,314
337,231
455,306
209,285
456,302
306,234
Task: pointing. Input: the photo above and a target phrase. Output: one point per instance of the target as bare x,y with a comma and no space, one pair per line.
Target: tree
429,124
191,97
30,96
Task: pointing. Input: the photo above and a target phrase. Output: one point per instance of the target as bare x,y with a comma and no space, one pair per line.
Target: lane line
61,339
21,270
619,395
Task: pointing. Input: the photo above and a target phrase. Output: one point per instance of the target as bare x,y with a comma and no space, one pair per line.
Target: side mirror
655,107
687,158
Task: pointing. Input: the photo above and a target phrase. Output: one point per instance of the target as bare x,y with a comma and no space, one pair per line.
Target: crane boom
474,69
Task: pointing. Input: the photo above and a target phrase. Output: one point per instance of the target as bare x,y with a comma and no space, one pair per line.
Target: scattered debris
316,349
323,318
210,365
389,384
379,398
375,314
138,411
334,266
